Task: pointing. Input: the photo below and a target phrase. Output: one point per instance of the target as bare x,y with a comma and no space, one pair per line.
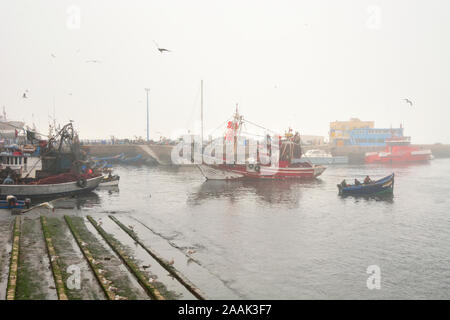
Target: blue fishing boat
132,160
384,186
110,158
11,202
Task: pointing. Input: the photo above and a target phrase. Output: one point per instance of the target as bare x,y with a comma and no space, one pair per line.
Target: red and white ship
289,148
399,150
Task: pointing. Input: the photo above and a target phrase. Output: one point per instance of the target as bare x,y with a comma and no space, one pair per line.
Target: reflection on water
109,189
278,191
388,198
88,200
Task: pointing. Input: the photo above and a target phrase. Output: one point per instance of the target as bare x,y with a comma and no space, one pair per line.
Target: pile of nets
64,177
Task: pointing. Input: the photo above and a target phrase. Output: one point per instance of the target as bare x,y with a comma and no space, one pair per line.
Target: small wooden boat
384,186
11,202
132,160
110,181
110,158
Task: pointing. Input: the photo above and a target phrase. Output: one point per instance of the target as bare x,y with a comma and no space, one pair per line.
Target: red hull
231,172
404,155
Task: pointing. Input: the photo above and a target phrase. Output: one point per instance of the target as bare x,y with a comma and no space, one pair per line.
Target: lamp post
148,137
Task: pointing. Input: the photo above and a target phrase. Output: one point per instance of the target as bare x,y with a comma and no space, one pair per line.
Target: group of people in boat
366,181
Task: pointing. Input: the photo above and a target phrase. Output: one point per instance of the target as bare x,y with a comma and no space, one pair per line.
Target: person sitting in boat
367,180
8,180
344,183
357,183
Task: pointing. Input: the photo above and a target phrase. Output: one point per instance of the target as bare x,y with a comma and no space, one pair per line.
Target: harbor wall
161,153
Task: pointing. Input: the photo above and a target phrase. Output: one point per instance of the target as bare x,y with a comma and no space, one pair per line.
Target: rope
257,125
32,168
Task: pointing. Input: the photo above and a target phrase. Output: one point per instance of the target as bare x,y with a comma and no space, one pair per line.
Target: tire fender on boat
257,168
82,183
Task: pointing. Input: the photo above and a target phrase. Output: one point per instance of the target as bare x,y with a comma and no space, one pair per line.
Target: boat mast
201,111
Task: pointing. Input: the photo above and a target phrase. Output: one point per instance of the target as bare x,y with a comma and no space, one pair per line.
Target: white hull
48,190
109,183
217,174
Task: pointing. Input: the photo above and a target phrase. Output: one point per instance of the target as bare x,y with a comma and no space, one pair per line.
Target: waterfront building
361,133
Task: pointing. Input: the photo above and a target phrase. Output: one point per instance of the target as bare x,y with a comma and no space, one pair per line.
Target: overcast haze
287,63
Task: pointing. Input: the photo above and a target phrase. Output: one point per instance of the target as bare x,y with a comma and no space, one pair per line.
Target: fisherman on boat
367,180
8,180
357,183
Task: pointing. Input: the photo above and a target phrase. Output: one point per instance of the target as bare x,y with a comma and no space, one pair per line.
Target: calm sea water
293,240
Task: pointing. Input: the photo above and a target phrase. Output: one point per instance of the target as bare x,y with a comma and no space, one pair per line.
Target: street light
148,138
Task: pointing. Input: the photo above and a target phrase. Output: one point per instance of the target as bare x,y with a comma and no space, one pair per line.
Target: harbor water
290,239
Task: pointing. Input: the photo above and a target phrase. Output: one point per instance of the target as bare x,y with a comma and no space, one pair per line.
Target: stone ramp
160,153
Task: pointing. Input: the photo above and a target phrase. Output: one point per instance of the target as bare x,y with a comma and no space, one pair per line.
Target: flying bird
53,55
409,102
24,95
93,61
161,50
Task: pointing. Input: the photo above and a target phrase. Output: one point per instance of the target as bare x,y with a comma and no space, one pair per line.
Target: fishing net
64,177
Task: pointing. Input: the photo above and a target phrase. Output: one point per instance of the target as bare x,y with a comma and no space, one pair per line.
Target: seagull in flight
409,102
25,94
161,50
53,55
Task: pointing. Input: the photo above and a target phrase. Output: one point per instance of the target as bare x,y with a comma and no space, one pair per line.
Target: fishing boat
48,190
383,186
110,180
253,167
399,150
110,159
11,202
132,160
63,171
318,156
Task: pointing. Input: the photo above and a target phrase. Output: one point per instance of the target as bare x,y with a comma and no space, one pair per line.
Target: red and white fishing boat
399,150
253,168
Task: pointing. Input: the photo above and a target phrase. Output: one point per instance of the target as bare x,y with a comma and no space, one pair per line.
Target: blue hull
384,186
19,205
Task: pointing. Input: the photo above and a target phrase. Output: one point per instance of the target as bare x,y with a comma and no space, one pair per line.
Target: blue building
371,137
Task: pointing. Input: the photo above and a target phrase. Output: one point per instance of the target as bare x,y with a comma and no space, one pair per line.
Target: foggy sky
287,63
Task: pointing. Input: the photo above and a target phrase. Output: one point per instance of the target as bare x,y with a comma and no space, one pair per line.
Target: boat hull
384,186
227,172
323,160
48,190
4,204
405,157
109,183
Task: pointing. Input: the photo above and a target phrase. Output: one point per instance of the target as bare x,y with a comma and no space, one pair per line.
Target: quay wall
162,152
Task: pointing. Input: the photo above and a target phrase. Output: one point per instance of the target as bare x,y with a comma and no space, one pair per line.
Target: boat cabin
25,165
